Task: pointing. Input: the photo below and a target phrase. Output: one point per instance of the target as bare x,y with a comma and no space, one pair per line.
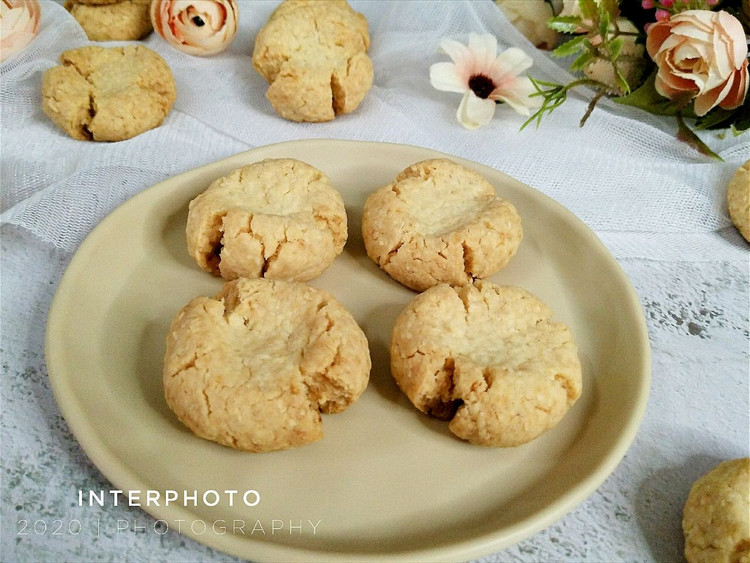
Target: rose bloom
700,55
196,27
19,24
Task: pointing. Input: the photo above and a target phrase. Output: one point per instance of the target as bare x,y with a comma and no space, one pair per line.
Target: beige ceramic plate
385,481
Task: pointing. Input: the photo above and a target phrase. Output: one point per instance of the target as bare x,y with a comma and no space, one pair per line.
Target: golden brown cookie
439,222
314,56
255,366
108,94
123,20
738,200
716,517
489,359
278,219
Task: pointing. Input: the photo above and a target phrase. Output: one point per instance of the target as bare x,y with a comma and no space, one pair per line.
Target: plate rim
117,473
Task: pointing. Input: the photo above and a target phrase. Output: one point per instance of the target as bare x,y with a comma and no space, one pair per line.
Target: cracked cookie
489,359
716,516
738,200
439,222
314,56
108,94
119,20
254,367
278,219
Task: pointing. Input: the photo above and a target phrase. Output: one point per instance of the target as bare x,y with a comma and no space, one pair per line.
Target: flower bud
196,27
19,24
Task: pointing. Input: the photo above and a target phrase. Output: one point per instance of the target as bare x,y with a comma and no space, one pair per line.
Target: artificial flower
484,78
19,24
700,55
630,60
196,27
530,18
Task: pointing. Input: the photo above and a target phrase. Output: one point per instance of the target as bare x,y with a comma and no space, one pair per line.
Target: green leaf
583,60
588,8
647,98
686,135
603,22
719,118
570,47
622,82
614,47
565,24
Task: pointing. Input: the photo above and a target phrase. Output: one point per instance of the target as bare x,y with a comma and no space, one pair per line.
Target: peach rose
196,27
700,55
19,24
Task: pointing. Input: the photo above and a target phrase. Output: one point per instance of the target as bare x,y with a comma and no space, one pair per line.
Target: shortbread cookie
738,200
279,219
439,222
489,359
716,517
124,20
108,94
314,56
255,366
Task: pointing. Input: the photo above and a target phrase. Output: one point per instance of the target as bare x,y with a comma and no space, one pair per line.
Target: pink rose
700,55
19,24
196,27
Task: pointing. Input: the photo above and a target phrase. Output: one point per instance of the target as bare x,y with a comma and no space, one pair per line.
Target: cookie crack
92,100
391,254
444,404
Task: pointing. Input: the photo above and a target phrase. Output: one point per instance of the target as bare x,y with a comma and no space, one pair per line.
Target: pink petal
448,78
517,95
458,52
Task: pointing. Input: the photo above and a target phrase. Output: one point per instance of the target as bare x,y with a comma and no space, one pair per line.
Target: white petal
483,49
446,77
510,62
473,112
518,96
458,52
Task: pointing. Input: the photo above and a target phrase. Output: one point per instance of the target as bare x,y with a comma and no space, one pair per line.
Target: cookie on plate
253,367
108,94
314,56
439,222
121,20
738,200
278,219
716,516
489,359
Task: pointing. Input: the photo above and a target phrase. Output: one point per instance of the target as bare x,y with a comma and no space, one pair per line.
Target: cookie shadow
377,326
173,238
149,369
662,495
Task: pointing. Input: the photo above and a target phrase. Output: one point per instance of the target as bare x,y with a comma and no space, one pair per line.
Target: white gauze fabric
624,174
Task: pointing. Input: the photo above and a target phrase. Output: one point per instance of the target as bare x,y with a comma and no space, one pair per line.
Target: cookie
716,516
254,367
124,20
314,56
489,359
738,200
439,222
278,219
108,94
